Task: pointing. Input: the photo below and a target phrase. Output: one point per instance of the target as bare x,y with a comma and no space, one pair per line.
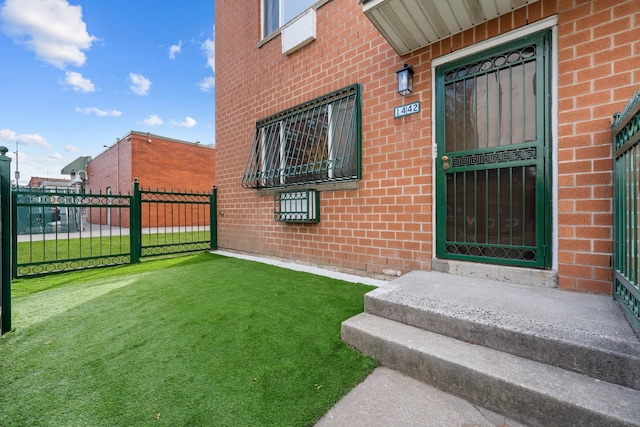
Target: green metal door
493,167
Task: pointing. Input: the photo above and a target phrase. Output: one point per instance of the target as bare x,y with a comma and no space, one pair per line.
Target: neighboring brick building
502,156
158,162
48,183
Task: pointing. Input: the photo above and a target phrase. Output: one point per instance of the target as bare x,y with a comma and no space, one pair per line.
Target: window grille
297,206
314,142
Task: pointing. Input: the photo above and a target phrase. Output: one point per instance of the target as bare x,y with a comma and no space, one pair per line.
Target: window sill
327,186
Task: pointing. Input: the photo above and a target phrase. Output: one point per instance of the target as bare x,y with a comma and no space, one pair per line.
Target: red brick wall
163,164
167,164
598,71
111,169
386,224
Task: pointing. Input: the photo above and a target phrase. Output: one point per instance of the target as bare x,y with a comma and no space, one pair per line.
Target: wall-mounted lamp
78,179
405,80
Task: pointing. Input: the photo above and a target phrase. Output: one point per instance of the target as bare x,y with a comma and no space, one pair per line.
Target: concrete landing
585,333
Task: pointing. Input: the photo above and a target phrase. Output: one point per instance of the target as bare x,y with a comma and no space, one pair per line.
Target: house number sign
405,110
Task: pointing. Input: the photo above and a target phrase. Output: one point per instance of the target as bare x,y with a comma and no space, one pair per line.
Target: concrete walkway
307,268
388,398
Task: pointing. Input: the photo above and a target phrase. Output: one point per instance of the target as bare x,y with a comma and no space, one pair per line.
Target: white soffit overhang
409,25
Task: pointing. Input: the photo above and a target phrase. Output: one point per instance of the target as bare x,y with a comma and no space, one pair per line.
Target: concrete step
583,333
533,393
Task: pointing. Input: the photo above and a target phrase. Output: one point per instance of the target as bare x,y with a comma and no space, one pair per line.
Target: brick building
48,183
158,162
499,154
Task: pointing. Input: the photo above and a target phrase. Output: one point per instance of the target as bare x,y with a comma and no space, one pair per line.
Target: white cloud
209,48
175,49
99,112
187,123
139,84
71,148
53,29
7,135
152,120
207,84
79,83
55,156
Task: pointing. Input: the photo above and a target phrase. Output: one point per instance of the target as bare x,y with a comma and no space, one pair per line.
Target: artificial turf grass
26,286
208,341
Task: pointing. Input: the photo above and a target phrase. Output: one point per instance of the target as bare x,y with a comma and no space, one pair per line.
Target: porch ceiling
409,25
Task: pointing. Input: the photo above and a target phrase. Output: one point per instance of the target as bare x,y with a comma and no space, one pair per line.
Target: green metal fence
173,222
626,137
58,231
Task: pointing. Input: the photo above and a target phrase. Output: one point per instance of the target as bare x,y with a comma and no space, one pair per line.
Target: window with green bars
314,142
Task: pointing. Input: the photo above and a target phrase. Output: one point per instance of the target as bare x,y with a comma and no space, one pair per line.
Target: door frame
545,24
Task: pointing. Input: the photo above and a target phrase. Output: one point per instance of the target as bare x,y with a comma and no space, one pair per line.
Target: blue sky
77,74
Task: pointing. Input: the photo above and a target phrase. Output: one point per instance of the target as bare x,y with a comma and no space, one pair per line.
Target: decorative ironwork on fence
56,231
626,147
175,222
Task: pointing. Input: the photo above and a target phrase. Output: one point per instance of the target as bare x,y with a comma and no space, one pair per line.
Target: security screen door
493,168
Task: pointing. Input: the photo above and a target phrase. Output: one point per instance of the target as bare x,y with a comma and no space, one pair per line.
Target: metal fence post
135,223
6,232
213,218
14,232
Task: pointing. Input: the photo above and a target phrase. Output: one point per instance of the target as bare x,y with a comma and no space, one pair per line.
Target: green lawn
201,340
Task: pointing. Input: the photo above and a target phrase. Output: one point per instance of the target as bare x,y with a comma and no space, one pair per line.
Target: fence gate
626,173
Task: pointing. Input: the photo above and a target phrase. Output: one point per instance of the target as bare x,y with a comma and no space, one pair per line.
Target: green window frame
315,142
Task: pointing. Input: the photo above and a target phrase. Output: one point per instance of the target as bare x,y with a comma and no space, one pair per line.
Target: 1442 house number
405,110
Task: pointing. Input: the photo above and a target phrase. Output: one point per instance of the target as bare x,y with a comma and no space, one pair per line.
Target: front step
584,333
541,356
525,390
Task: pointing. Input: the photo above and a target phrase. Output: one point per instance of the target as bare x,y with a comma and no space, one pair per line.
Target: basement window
315,142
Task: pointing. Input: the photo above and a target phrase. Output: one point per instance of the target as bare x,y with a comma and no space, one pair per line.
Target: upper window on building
276,13
315,142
